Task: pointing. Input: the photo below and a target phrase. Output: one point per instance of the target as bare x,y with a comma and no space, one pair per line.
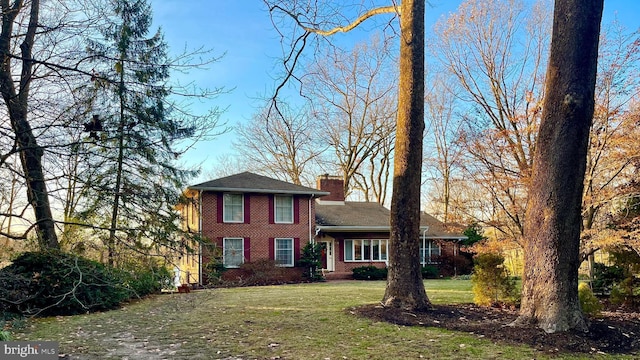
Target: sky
241,32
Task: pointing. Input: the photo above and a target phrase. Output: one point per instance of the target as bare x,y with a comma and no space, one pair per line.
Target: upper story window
283,209
233,208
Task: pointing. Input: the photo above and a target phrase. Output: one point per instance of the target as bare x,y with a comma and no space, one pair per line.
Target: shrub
429,272
56,283
369,273
5,335
262,272
491,282
214,269
605,277
588,302
143,280
626,292
311,262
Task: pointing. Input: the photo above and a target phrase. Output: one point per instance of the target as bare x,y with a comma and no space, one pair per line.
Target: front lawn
306,321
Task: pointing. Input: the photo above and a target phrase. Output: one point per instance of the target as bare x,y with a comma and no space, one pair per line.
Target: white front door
328,262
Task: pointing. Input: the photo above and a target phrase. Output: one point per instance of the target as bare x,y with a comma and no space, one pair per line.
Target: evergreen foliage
588,301
311,262
369,273
56,283
491,282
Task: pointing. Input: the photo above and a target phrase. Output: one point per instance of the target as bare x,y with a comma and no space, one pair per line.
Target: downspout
311,222
200,242
424,246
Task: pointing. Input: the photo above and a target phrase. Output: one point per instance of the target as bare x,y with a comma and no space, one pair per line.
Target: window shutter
220,207
247,209
272,248
247,249
296,210
340,249
271,209
296,250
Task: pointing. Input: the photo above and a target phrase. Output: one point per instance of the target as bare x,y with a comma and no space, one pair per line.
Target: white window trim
224,252
427,250
275,209
370,249
224,209
275,251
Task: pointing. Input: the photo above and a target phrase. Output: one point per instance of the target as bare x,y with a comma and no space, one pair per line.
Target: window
284,252
429,252
365,250
233,208
233,252
283,209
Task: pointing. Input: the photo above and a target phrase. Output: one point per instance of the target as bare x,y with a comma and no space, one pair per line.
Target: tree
443,154
281,144
353,99
612,149
16,96
552,227
405,288
496,50
137,130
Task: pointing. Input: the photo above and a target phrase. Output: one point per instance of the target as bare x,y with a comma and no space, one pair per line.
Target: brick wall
258,230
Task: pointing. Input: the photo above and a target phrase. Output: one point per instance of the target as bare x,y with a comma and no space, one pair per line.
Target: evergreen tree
135,135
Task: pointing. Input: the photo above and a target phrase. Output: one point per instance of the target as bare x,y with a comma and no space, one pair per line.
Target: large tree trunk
16,102
552,226
405,288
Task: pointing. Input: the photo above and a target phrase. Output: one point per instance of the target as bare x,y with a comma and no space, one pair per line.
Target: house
248,217
355,234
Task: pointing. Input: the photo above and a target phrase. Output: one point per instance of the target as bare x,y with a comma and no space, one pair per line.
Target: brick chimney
332,184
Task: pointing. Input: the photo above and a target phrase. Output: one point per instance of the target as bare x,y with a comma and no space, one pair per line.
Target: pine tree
135,133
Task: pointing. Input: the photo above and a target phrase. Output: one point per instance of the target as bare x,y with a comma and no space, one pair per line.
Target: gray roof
247,182
370,217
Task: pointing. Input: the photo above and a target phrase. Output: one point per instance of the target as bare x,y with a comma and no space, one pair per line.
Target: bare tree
405,288
552,228
280,144
353,97
16,96
443,154
496,50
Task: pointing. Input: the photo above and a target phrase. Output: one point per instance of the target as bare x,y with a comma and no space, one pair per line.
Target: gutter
259,191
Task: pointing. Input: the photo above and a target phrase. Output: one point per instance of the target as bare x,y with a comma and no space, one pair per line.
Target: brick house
248,217
355,234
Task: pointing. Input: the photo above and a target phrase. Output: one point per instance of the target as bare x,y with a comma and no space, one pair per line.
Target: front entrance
327,252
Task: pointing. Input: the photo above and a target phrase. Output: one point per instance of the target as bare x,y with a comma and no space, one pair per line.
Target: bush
5,336
588,302
262,272
311,262
369,273
605,277
491,283
56,283
143,280
626,293
429,272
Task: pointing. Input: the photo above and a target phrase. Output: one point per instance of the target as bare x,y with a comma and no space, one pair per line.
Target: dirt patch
612,332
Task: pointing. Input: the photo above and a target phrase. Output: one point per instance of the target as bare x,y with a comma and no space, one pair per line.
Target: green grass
304,321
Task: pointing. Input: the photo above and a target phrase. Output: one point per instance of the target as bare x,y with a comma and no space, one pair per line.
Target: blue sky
241,29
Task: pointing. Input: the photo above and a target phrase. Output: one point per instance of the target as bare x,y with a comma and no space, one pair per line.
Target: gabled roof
247,182
349,216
